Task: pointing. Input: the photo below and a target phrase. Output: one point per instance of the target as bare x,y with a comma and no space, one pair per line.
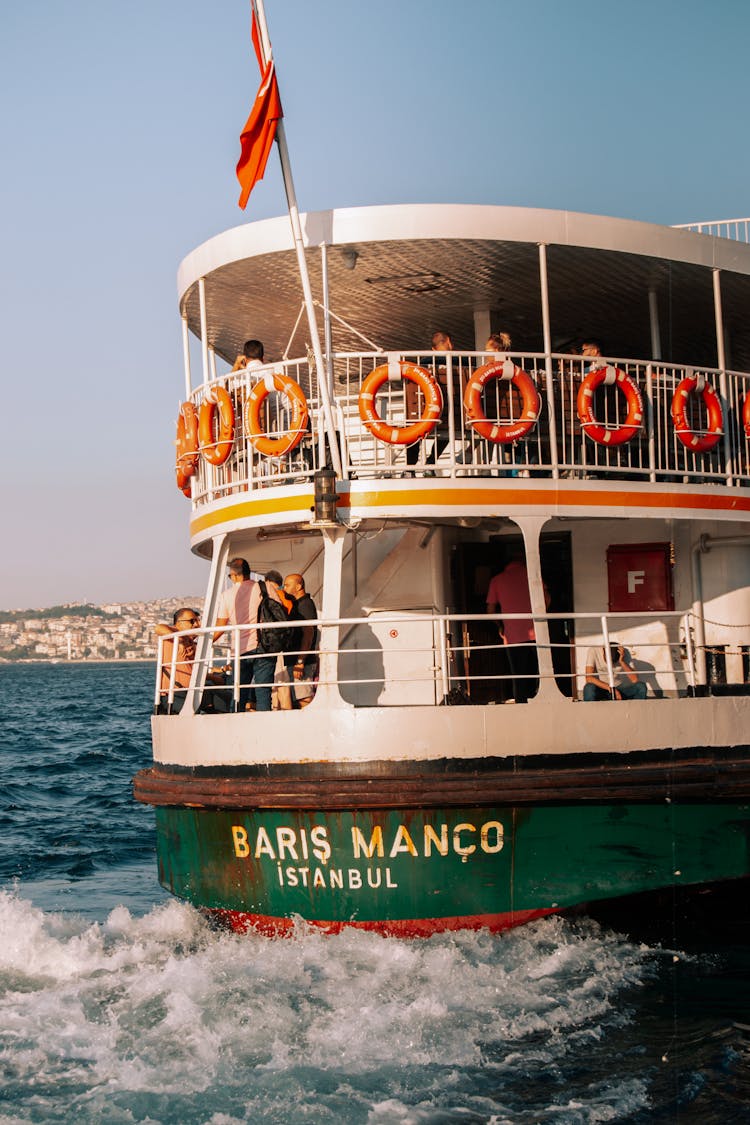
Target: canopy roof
417,269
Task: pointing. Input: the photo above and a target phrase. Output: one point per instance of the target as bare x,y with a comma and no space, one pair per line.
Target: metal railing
738,230
557,445
434,654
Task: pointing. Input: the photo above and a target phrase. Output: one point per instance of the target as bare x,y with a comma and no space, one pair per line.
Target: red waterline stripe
241,922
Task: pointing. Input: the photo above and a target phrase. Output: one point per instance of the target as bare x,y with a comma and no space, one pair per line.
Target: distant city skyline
120,136
115,630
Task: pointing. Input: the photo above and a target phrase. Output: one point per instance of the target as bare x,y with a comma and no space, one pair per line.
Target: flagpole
291,198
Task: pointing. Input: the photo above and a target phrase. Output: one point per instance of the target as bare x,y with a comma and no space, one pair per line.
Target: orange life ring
400,435
288,439
603,435
530,402
697,443
216,451
187,445
746,415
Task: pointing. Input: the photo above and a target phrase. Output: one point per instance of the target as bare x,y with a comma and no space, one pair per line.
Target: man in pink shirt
508,592
239,606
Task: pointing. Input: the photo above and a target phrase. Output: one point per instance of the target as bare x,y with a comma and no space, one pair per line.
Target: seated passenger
183,618
214,700
627,684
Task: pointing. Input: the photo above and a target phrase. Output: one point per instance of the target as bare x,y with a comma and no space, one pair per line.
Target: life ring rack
530,402
698,442
187,446
216,451
289,439
400,435
601,434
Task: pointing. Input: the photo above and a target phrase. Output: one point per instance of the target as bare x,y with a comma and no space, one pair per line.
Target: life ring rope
406,434
530,402
697,441
599,432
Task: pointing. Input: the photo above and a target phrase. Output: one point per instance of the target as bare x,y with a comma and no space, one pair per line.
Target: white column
334,539
328,333
482,328
204,326
723,383
549,377
186,354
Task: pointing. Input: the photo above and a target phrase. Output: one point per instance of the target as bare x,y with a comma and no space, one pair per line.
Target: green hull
413,871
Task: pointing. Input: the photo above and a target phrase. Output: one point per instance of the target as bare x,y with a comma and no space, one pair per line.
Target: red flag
256,42
260,128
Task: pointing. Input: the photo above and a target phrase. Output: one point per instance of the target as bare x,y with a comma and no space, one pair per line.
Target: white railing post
721,355
236,668
689,650
608,654
650,423
551,419
159,669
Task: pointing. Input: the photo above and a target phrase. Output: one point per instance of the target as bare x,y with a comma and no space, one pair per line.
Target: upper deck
667,305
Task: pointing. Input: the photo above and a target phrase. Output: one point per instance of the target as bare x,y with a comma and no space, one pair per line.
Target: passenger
303,664
217,698
591,350
498,343
183,618
274,578
509,592
441,342
250,357
563,366
281,695
239,606
627,684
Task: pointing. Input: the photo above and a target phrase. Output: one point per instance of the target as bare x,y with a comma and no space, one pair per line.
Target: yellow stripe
251,509
462,497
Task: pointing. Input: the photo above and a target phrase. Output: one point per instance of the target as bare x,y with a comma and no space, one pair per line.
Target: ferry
428,785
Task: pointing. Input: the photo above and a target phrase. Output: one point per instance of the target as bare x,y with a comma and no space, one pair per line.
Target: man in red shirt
508,592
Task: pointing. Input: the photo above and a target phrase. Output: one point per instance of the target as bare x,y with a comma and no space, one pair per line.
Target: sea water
119,1004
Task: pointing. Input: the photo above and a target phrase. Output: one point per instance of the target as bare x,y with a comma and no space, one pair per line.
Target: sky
119,126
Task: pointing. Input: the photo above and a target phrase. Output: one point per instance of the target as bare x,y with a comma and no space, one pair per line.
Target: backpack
273,640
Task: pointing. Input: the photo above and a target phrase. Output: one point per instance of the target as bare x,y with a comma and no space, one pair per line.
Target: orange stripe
459,496
514,497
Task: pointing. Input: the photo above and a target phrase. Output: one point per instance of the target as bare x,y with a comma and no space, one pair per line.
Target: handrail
720,228
557,445
440,648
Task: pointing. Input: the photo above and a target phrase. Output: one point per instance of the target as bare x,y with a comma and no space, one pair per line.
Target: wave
160,1017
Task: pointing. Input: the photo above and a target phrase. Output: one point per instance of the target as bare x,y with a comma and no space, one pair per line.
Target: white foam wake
158,1018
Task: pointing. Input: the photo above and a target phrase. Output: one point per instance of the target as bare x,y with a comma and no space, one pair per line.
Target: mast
286,171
